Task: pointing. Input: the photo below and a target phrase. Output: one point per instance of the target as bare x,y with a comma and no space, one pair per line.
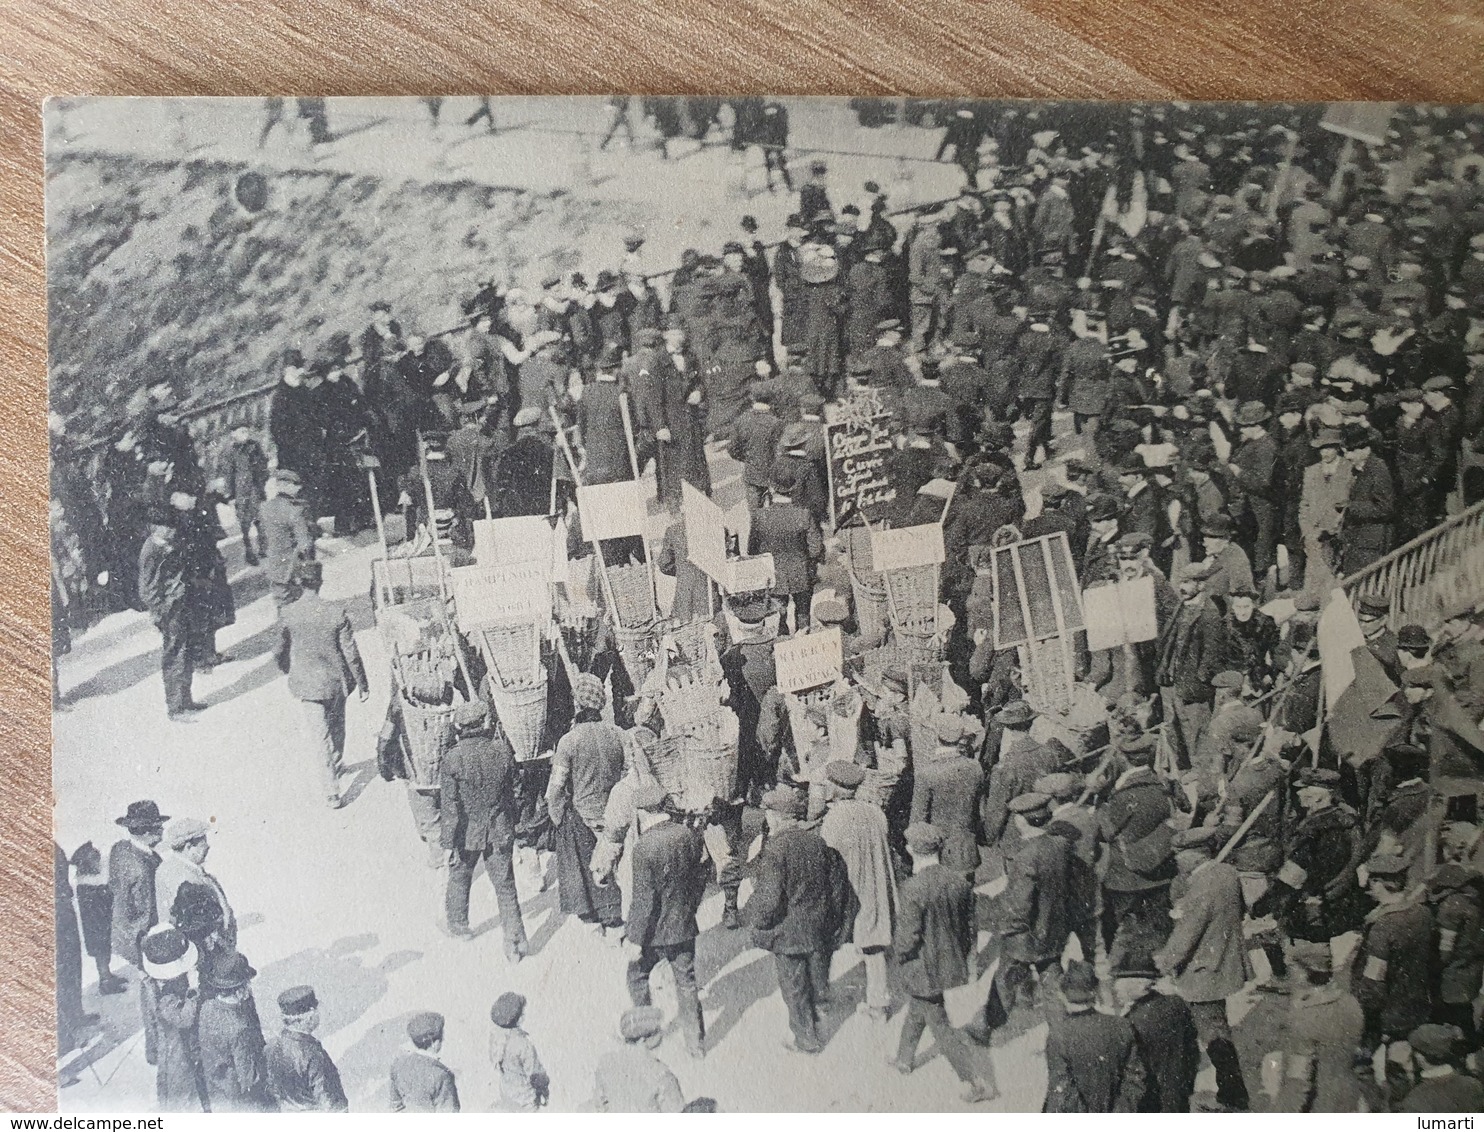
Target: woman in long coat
824,302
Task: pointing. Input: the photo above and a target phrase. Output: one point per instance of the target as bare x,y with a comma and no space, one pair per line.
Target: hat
950,729
1377,605
1101,507
1196,837
896,676
195,909
1311,956
650,797
167,954
1252,413
1063,784
1080,983
889,324
640,1022
1053,489
1136,963
1137,749
527,416
1357,436
733,247
182,831
648,336
1327,438
425,1027
1017,713
830,611
858,367
785,478
1319,776
1437,1041
609,357
848,775
1386,865
753,611
1413,637
230,972
1219,525
923,838
141,816
1438,384
1228,679
588,692
297,1000
1031,805
310,574
782,800
282,476
507,1009
470,714
810,402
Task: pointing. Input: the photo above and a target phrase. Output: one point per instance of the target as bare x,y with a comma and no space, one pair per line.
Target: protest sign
749,575
521,539
705,533
1364,121
1120,614
907,547
501,595
858,450
613,510
1036,595
808,660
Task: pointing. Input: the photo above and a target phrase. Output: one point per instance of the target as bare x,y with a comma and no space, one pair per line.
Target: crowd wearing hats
1190,348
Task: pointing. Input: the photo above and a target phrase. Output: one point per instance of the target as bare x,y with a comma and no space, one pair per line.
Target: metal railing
1438,573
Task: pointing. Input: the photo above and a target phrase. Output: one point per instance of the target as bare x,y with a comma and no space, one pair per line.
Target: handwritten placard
808,660
501,595
858,451
906,547
613,510
523,538
705,533
1121,613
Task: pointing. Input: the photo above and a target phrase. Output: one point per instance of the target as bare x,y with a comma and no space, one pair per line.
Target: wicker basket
522,715
698,764
917,648
867,586
634,645
513,653
633,596
913,599
429,733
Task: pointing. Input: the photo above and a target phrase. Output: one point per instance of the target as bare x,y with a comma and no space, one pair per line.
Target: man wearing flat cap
1313,896
232,1046
419,1081
945,793
1320,1036
1253,472
1022,760
798,910
1165,1033
1439,1050
477,813
301,1076
631,1078
1093,1060
1206,955
933,941
857,830
669,876
1133,825
1192,650
317,650
186,848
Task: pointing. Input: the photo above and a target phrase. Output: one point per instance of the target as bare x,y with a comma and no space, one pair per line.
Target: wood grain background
1261,49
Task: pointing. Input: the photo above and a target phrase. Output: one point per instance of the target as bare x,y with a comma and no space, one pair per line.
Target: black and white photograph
746,604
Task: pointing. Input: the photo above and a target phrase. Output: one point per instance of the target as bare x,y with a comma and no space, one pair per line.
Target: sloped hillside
185,271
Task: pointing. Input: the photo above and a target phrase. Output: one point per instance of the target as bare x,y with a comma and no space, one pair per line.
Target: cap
182,831
1080,982
640,1022
527,417
782,800
949,729
650,797
609,356
141,816
1061,785
1137,749
588,692
1017,713
1439,384
1437,1041
1053,489
1228,679
167,954
297,1000
1413,637
1386,865
1378,605
469,714
923,837
425,1028
1312,956
1197,837
847,775
1252,413
1102,507
829,611
1136,963
1032,805
507,1009
1319,776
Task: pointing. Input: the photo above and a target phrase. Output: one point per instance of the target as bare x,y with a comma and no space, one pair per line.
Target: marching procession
1054,600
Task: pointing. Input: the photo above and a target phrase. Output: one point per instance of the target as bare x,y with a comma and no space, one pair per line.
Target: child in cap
524,1086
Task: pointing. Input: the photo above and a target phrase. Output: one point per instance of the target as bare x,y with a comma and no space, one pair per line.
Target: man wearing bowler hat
132,863
301,1076
1253,473
1370,509
419,1081
232,1046
1229,569
317,650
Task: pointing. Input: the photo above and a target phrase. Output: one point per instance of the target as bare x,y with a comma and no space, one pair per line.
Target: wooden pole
1342,166
1251,819
376,510
1280,179
422,462
586,527
628,432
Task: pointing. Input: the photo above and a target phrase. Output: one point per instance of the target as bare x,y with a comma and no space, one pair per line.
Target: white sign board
1120,614
613,510
749,575
907,547
501,595
705,533
521,539
808,660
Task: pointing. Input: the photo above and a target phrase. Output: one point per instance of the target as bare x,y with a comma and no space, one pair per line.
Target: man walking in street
318,652
287,538
668,879
301,1076
477,810
163,590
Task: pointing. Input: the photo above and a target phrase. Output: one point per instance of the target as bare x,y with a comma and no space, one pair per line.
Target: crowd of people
1208,345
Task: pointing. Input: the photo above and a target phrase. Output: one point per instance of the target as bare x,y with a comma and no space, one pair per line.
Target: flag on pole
1339,636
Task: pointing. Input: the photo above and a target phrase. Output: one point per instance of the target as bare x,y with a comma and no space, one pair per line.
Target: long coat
1133,824
318,650
682,458
604,446
1389,975
287,539
1192,650
789,533
1093,1064
1206,954
868,288
1167,1039
1034,906
669,877
801,896
945,792
857,831
1369,517
131,878
692,598
1021,763
477,807
1089,377
935,931
232,1057
179,1085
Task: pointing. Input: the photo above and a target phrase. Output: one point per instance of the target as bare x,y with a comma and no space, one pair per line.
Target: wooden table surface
1153,49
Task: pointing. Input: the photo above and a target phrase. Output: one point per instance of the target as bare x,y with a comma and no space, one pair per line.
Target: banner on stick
705,533
501,595
1120,614
907,547
521,539
613,510
809,660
